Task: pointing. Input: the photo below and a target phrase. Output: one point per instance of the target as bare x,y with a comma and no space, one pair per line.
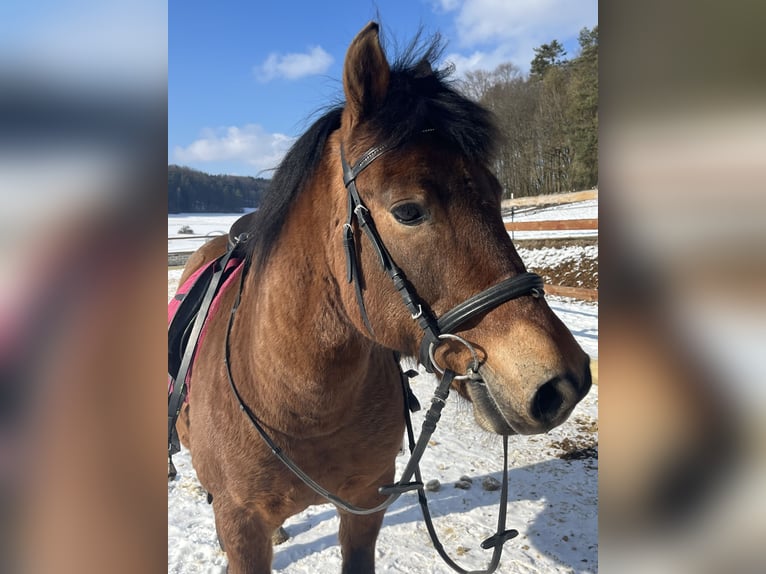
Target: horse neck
302,327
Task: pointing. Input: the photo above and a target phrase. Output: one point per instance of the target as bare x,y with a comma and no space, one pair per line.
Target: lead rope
495,541
501,535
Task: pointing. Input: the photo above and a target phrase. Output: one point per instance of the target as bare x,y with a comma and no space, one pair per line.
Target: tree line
549,118
190,190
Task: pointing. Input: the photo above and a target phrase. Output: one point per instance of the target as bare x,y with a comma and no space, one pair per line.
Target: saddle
185,305
187,315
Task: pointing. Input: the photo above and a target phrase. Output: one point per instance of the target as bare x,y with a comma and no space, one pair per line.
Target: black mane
290,178
419,98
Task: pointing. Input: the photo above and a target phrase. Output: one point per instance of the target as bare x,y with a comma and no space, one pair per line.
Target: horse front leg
245,538
358,535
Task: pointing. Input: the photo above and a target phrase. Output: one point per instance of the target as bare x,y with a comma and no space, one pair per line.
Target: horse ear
365,74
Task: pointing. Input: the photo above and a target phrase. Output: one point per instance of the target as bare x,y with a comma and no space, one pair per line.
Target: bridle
436,331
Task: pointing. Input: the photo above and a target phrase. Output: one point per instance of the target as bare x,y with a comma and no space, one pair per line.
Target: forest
549,120
192,191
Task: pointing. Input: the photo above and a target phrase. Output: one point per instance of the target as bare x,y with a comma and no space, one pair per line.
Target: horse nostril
553,399
547,401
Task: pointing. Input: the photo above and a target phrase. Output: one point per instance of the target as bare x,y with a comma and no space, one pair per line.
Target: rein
436,331
412,469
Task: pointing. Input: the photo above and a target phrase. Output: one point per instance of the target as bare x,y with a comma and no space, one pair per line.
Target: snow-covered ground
553,502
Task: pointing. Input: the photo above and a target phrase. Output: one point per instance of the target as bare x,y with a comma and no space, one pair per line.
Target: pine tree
546,56
583,111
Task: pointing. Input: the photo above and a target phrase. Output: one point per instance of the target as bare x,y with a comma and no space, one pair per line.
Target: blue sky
245,78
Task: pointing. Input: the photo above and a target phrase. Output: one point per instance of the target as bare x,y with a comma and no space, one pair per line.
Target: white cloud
294,66
479,60
492,20
446,5
515,28
250,144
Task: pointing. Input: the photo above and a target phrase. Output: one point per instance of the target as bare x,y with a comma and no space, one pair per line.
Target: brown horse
312,358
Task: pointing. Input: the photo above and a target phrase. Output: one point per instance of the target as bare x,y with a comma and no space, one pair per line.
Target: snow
554,256
552,502
202,224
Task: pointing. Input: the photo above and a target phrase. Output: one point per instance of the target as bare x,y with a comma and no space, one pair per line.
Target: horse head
431,196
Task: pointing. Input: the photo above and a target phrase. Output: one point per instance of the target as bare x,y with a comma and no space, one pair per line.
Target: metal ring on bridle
471,373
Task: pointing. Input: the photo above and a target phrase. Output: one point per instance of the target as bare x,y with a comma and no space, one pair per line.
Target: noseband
435,330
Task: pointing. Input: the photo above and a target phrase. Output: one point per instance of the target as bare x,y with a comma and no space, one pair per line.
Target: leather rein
436,331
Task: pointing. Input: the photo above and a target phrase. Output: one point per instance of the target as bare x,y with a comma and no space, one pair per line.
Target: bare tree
549,119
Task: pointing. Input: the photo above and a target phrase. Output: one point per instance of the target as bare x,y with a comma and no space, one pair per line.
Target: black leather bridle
435,330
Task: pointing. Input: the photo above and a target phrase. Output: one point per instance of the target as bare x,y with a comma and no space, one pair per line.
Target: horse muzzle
522,407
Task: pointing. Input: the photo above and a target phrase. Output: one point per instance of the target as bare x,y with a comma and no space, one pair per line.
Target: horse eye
409,213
